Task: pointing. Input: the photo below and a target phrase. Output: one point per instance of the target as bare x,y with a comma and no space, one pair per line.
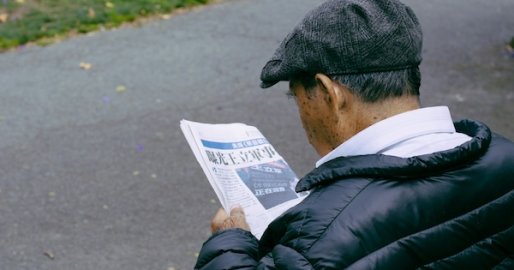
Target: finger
218,219
237,210
220,216
221,213
238,217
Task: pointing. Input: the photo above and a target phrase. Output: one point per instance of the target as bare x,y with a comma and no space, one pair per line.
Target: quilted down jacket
447,210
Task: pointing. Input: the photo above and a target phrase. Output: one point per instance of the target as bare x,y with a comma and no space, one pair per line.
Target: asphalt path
95,172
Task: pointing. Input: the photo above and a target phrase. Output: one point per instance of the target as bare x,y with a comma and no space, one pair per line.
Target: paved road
103,179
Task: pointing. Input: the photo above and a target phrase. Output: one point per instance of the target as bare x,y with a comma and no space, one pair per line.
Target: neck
376,112
361,115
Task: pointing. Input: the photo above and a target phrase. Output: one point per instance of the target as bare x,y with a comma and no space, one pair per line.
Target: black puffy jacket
448,210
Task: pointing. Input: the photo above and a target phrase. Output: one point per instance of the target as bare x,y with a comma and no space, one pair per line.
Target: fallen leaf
166,17
213,201
84,65
154,176
135,173
49,254
121,89
2,118
91,13
51,194
4,17
106,207
172,268
20,1
109,4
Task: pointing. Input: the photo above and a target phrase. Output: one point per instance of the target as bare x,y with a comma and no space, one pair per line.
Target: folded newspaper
244,168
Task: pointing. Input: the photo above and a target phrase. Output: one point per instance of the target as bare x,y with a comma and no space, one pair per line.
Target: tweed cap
347,37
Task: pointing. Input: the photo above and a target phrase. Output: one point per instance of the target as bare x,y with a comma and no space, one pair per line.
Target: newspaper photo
244,168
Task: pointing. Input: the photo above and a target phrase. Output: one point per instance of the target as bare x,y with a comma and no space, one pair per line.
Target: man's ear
333,93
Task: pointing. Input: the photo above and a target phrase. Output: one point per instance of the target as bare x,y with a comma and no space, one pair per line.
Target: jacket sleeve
239,249
229,249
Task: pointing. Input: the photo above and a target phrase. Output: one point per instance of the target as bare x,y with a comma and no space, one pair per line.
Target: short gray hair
373,86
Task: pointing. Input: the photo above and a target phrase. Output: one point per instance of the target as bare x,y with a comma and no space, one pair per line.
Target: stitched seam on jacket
335,217
295,242
303,221
306,259
440,225
506,262
476,244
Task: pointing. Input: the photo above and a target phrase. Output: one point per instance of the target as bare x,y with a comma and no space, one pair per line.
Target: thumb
236,210
238,218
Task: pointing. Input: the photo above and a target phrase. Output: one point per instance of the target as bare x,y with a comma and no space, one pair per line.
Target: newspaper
244,168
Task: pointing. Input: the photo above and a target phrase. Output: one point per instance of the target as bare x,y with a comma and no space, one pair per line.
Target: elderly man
398,186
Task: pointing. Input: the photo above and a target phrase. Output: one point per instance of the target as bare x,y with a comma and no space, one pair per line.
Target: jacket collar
382,166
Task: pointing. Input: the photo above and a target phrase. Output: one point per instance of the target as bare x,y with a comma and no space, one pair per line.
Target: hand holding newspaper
244,168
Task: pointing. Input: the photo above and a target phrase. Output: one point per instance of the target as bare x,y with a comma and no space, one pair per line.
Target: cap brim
265,85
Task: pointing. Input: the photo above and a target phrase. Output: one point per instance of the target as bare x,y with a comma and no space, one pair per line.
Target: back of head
345,37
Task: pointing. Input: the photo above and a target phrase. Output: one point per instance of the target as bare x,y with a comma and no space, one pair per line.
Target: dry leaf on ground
121,89
49,254
85,66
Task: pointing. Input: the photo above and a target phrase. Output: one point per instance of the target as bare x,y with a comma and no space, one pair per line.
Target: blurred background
94,170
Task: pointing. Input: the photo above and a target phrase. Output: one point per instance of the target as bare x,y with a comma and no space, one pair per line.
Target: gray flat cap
346,37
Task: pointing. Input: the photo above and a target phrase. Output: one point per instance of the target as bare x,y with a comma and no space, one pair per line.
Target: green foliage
40,20
512,42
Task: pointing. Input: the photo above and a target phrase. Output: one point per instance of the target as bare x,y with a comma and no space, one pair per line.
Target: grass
41,21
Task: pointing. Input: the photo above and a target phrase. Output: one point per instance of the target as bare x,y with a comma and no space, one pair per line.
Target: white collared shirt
413,133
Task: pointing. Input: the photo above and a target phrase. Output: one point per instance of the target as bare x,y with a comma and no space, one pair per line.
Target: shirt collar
393,130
